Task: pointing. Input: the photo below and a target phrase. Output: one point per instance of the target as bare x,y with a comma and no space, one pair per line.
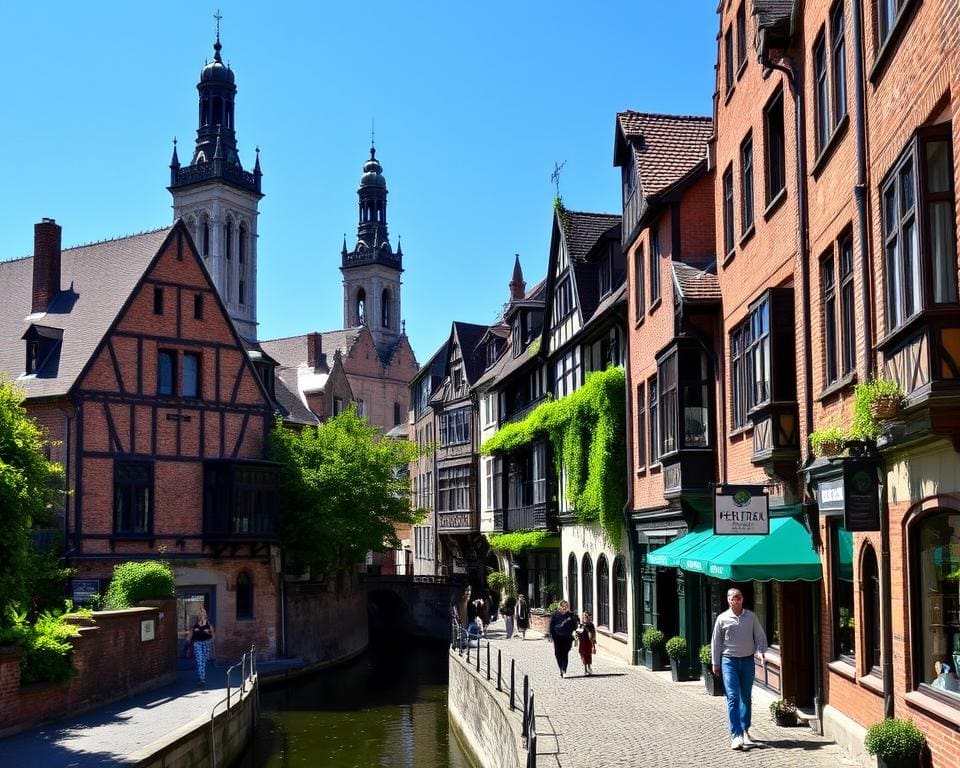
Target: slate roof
696,284
287,394
667,147
582,230
474,362
95,281
507,363
773,14
292,351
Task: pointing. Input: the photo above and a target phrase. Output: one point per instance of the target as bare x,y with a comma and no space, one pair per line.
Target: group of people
565,629
479,612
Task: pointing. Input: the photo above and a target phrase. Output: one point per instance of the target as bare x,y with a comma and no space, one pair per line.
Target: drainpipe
66,482
795,82
632,545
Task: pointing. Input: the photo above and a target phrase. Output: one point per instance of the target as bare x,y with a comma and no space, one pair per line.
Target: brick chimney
46,264
314,350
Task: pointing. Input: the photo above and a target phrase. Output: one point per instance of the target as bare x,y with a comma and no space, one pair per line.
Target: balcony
532,517
240,501
458,522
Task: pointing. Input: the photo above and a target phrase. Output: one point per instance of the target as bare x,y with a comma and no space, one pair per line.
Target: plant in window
829,440
895,742
874,401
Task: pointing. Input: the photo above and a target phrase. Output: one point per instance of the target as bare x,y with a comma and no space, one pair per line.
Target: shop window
586,579
603,592
870,590
619,596
841,571
766,604
572,582
244,596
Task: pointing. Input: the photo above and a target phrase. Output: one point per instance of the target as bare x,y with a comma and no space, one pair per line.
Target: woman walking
522,612
587,642
201,636
562,625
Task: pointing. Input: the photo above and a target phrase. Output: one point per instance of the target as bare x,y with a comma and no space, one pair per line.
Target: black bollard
499,669
488,660
513,686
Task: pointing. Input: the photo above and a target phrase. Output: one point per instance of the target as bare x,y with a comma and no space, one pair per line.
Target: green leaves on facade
516,542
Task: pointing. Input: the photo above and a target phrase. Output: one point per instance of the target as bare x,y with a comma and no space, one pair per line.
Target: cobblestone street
629,716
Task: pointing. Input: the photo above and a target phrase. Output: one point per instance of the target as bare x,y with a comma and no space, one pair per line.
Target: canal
387,708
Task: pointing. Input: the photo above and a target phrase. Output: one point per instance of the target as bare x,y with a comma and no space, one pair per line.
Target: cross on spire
555,176
372,131
217,16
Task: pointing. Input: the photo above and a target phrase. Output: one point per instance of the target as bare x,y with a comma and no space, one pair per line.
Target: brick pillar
46,264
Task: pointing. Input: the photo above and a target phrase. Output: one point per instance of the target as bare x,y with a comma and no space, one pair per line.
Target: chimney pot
46,264
314,349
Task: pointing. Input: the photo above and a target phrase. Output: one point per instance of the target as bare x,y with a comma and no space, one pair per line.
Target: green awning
845,553
786,554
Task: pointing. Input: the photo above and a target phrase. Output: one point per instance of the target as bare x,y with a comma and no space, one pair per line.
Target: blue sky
473,105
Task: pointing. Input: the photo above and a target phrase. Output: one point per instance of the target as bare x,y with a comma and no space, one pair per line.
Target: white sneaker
736,742
747,741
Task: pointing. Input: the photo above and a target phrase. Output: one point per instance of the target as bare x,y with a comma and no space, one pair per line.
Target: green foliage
553,606
501,583
651,638
586,430
821,438
676,647
865,427
706,654
29,489
46,643
516,542
783,707
894,739
46,578
549,593
136,581
343,489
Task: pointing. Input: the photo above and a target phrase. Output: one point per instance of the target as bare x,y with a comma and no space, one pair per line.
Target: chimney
46,264
517,285
314,350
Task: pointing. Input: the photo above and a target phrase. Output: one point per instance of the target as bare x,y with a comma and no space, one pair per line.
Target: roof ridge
665,115
115,239
595,213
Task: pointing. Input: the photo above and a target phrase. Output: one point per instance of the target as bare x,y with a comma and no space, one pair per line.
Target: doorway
189,602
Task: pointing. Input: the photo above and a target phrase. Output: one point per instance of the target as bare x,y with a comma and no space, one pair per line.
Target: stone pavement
629,716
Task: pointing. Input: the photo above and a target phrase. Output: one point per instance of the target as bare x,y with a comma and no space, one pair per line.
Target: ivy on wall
516,542
586,430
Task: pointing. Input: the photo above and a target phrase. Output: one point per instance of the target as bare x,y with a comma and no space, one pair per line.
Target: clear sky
473,105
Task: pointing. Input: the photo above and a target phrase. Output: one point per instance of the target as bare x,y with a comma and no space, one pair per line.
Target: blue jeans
738,682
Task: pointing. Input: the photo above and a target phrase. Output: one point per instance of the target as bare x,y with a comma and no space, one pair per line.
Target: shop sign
830,495
741,510
861,490
84,590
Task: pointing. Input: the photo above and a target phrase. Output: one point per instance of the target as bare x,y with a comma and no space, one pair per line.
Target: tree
342,490
29,489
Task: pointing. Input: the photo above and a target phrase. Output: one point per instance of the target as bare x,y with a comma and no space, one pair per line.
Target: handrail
244,678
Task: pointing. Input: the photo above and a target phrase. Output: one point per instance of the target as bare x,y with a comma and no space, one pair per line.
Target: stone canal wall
482,720
326,622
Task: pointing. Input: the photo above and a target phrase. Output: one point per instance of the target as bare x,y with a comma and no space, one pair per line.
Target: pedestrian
201,636
562,626
587,642
522,615
737,640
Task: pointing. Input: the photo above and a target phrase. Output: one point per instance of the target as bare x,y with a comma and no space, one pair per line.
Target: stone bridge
416,606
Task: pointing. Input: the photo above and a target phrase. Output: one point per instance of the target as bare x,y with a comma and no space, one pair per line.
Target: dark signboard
861,490
84,590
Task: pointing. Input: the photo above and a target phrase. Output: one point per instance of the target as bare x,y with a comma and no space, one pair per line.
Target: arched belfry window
204,112
244,596
361,307
205,237
228,239
217,111
242,245
385,308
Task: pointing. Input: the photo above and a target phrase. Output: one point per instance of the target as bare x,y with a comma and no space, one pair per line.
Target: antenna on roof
555,176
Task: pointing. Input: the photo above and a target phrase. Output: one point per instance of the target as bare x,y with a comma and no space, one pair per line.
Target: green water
387,708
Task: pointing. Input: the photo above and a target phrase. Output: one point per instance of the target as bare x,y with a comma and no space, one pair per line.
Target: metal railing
248,676
463,643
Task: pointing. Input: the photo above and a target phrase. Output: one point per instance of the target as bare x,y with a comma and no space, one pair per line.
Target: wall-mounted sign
84,590
741,510
830,495
147,630
861,490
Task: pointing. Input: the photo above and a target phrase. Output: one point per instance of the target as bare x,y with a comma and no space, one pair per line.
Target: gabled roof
292,351
696,285
667,148
96,280
469,335
287,394
582,230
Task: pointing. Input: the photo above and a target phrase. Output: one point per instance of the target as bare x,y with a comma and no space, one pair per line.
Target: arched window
603,591
244,596
870,590
206,237
385,308
228,239
217,110
361,307
572,581
841,570
619,596
586,587
242,244
204,112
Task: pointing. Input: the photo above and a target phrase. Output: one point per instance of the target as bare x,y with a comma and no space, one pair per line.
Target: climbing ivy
516,542
586,430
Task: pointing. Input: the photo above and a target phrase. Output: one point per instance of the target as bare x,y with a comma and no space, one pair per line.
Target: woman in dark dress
587,642
562,626
522,612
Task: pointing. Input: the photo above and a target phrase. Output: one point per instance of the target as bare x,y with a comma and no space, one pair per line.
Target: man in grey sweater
737,639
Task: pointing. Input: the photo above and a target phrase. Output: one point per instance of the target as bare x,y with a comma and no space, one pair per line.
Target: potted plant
828,441
676,652
896,743
784,713
875,401
712,682
653,654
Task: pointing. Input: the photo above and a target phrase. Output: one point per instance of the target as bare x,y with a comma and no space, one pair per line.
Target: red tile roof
667,147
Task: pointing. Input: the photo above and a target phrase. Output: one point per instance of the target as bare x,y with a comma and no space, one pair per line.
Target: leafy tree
342,491
29,488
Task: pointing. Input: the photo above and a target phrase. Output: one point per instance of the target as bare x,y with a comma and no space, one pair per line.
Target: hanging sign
741,510
861,490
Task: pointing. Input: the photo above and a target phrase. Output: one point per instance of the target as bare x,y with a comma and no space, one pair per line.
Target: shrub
46,645
783,707
706,654
652,638
894,739
516,542
865,426
676,647
133,582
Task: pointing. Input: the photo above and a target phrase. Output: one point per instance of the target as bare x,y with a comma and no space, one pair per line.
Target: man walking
737,639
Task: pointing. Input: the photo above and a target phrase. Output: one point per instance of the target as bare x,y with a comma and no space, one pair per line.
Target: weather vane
372,131
555,176
217,16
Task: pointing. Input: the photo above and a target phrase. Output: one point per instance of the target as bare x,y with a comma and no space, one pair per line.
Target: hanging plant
874,401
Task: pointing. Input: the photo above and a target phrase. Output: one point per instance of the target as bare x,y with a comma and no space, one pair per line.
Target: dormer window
33,356
493,349
517,333
42,344
629,177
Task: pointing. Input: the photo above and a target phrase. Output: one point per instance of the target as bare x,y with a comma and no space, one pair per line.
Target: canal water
387,708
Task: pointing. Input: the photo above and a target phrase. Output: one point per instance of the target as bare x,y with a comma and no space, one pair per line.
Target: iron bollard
499,669
526,711
488,659
513,686
478,657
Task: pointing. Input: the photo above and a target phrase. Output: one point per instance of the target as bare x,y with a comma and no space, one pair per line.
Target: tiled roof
667,147
287,395
582,230
773,14
474,360
292,350
695,284
96,281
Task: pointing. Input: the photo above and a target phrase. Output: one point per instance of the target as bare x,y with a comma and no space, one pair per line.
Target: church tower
371,271
218,199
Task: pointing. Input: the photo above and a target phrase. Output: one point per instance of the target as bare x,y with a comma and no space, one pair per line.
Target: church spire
517,285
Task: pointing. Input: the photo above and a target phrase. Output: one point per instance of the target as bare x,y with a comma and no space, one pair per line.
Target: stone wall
482,719
111,662
326,621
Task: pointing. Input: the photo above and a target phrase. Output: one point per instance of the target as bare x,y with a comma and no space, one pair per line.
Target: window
848,341
455,427
603,592
728,234
166,370
158,300
741,36
228,240
667,378
838,63
488,483
241,292
539,473
775,150
841,571
641,428
206,238
244,596
728,60
572,582
454,489
654,422
870,590
133,498
917,197
361,409
750,363
397,414
605,275
385,309
190,384
766,604
563,300
337,406
586,584
828,287
242,245
936,543
198,306
629,177
746,183
33,356
821,94
654,265
638,282
619,596
567,372
887,13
